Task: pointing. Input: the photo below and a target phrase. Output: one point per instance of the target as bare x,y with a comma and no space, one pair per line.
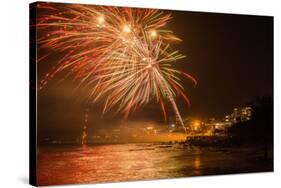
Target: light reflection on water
109,163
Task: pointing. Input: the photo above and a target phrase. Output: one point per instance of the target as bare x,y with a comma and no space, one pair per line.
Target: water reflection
109,163
197,163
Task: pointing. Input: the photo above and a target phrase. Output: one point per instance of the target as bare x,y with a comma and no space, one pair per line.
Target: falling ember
123,54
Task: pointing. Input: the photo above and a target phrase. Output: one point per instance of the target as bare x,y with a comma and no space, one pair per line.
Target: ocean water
147,161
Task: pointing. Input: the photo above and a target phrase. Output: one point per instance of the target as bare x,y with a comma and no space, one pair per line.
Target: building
239,114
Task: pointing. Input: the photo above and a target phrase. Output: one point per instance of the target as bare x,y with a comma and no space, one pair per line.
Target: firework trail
122,54
84,132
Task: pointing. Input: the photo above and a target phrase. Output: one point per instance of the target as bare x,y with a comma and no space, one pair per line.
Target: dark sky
231,56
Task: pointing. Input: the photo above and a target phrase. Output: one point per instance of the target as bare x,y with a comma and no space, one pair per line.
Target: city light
196,125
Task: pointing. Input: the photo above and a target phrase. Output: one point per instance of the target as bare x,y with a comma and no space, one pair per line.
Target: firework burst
123,54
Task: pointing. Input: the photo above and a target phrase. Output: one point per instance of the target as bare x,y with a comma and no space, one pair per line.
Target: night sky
231,56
